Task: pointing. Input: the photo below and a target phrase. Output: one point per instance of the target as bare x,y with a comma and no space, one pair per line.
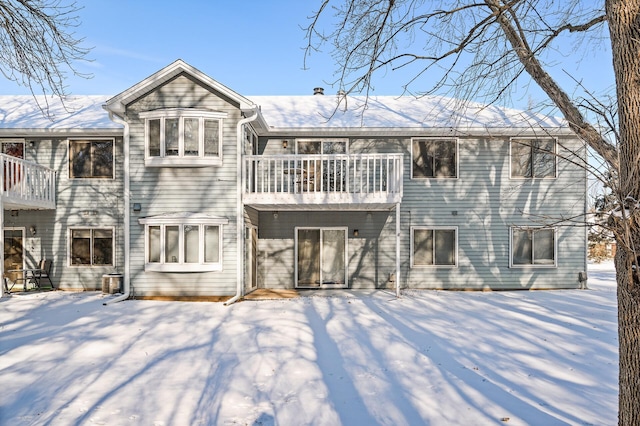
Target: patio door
321,258
13,252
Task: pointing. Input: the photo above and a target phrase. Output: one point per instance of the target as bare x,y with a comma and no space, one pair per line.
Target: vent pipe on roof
318,91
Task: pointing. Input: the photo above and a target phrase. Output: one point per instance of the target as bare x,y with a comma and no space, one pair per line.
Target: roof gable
119,102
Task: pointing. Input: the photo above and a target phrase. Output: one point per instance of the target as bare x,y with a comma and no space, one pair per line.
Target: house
190,189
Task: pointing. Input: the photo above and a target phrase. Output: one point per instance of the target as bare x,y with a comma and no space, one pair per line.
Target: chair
42,273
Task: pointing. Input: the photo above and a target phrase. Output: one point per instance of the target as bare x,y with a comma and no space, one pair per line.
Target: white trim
533,177
90,228
533,265
433,228
182,160
346,255
457,160
91,139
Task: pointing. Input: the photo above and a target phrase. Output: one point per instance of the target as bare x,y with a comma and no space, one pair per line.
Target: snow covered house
190,189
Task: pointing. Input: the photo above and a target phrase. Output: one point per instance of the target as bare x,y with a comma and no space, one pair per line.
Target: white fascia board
60,132
118,103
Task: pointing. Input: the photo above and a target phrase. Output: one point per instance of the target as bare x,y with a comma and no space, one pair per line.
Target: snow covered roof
77,113
393,112
312,113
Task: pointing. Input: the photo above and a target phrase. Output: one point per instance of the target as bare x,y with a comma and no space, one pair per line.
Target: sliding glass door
321,257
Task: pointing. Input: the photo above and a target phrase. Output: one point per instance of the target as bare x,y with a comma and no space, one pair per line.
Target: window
533,158
434,247
533,246
434,158
305,147
13,148
91,158
183,242
183,137
91,246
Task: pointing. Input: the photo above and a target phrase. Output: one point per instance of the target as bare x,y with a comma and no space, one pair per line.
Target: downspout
240,209
2,231
398,250
127,205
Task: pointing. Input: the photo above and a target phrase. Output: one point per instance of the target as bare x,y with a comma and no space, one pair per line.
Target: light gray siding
160,190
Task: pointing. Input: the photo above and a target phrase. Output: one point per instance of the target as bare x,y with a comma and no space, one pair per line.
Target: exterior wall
482,203
79,202
160,190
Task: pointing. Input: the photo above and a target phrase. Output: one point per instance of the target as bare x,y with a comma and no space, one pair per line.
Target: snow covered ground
431,357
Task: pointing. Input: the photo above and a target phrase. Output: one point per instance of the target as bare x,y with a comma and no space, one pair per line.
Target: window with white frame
533,246
533,158
91,246
183,137
434,246
183,242
434,158
91,158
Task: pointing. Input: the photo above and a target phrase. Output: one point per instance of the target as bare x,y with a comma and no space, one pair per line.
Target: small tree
481,49
38,45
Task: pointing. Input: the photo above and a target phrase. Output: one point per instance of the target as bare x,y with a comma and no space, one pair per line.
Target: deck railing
27,184
356,174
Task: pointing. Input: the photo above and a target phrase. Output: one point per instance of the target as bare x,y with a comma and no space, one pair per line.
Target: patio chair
37,276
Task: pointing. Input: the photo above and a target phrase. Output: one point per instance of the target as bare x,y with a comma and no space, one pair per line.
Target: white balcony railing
348,178
27,185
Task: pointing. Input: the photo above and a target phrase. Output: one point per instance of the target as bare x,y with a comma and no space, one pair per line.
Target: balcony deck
319,182
26,185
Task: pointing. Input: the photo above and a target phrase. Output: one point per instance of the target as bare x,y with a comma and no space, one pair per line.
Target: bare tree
38,46
481,49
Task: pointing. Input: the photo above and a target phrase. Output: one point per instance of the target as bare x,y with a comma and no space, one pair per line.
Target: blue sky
255,47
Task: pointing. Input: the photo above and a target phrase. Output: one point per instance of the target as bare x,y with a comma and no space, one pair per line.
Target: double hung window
434,246
183,138
434,158
533,246
183,243
533,158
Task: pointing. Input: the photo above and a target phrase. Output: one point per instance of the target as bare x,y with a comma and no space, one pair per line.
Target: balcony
26,185
308,182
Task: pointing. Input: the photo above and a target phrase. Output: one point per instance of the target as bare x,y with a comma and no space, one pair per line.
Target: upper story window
183,138
533,158
434,158
91,158
13,148
437,246
183,242
335,146
533,246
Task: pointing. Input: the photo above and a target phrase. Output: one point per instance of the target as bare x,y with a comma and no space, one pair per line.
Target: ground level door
13,252
321,258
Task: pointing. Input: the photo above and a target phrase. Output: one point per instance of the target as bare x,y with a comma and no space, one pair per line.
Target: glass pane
172,244
520,159
171,136
154,138
309,147
423,247
543,247
309,257
102,247
14,149
522,245
444,158
80,159
81,247
102,156
212,244
422,159
211,136
544,159
334,147
445,246
333,270
191,136
191,244
154,244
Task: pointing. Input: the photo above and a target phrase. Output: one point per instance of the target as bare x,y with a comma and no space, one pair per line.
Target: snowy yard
431,357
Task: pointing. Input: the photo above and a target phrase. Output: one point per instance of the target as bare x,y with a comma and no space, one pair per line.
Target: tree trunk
624,27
